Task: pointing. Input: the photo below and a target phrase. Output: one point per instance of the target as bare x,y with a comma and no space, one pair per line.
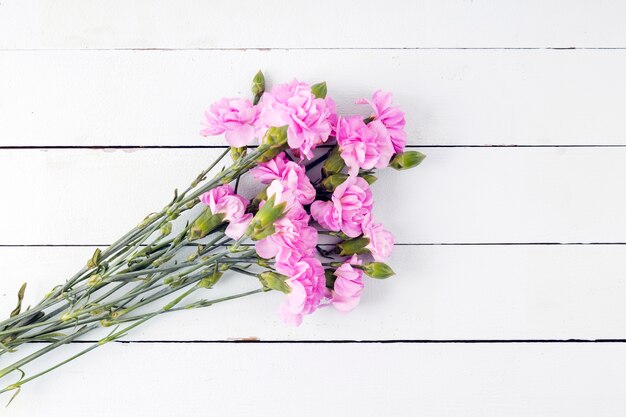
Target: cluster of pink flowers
344,212
310,120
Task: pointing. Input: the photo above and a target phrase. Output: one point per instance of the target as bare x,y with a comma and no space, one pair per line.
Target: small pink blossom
309,119
381,240
308,288
391,117
352,203
223,200
363,145
290,174
292,240
325,213
236,117
348,286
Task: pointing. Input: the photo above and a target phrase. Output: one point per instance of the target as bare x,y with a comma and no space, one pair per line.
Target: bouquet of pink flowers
314,168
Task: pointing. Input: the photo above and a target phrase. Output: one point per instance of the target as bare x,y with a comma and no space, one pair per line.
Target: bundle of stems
138,277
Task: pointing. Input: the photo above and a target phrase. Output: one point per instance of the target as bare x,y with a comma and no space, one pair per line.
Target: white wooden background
510,298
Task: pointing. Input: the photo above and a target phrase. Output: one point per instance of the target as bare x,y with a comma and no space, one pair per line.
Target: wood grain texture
440,293
451,97
339,380
459,195
323,24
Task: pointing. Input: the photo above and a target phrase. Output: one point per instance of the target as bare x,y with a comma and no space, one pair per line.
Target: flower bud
334,163
406,160
333,181
377,270
258,86
276,137
319,90
205,224
356,246
192,203
95,279
166,228
238,153
95,259
262,225
274,281
210,280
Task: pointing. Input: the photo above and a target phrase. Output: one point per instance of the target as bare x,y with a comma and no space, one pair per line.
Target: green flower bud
262,224
274,281
356,246
333,181
377,270
95,259
205,224
334,164
192,203
319,90
238,153
166,229
406,160
210,280
95,279
258,86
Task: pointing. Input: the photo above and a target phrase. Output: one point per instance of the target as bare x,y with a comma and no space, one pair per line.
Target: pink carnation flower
363,145
308,288
293,240
350,205
348,286
381,240
235,116
290,174
223,200
391,117
308,118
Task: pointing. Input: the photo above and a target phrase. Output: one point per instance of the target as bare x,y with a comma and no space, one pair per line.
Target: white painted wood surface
492,97
521,241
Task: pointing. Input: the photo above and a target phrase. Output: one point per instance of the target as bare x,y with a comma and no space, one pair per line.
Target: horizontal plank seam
354,48
123,147
346,341
93,245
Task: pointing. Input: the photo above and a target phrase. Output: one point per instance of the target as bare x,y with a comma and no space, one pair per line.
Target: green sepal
262,224
356,246
274,281
319,90
276,137
205,224
333,181
20,297
210,280
334,163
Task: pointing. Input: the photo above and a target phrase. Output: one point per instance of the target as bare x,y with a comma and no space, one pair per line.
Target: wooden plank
439,293
326,24
318,379
458,195
451,97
